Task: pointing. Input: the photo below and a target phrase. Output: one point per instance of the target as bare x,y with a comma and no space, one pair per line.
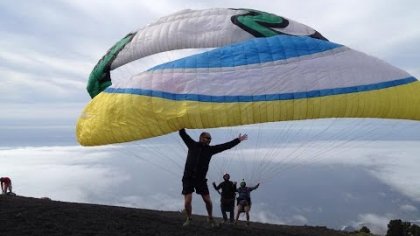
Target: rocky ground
33,216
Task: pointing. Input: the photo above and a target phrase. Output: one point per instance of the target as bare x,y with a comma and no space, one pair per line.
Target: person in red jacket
6,184
196,167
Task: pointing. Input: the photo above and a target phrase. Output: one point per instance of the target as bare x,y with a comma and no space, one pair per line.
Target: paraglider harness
244,201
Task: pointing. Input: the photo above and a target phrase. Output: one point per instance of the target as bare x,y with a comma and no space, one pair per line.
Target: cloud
408,208
39,115
299,219
376,223
388,149
97,175
62,173
393,162
154,201
398,173
264,215
114,175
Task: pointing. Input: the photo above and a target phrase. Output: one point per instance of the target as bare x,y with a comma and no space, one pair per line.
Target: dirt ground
33,216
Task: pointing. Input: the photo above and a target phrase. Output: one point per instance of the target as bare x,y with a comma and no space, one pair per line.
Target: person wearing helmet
196,167
227,197
6,184
244,200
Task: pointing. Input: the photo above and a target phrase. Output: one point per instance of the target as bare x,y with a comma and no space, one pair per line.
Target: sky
323,174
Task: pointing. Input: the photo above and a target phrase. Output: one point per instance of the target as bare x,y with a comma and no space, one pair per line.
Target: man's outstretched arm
186,138
224,146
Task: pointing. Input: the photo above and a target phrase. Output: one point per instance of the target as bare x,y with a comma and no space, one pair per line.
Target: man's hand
242,137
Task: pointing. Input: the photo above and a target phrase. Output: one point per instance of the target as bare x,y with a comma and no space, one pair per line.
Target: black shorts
200,186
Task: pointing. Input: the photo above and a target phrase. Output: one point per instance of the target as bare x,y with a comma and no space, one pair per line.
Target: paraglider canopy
230,67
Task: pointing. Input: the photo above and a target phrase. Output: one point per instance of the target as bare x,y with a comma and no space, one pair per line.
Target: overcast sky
323,174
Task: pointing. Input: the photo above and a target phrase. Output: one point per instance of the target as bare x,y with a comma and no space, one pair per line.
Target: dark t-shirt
199,155
228,189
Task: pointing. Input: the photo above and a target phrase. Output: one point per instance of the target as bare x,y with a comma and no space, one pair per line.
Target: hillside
32,216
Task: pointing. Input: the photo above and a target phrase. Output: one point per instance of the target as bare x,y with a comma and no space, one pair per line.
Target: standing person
196,167
6,184
227,197
244,200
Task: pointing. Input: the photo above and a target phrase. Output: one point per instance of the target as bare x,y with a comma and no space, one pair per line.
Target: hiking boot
187,222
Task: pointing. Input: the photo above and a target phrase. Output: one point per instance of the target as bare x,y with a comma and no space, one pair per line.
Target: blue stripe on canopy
257,50
263,97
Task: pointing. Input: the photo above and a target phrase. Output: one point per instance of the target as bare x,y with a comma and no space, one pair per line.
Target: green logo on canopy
260,24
